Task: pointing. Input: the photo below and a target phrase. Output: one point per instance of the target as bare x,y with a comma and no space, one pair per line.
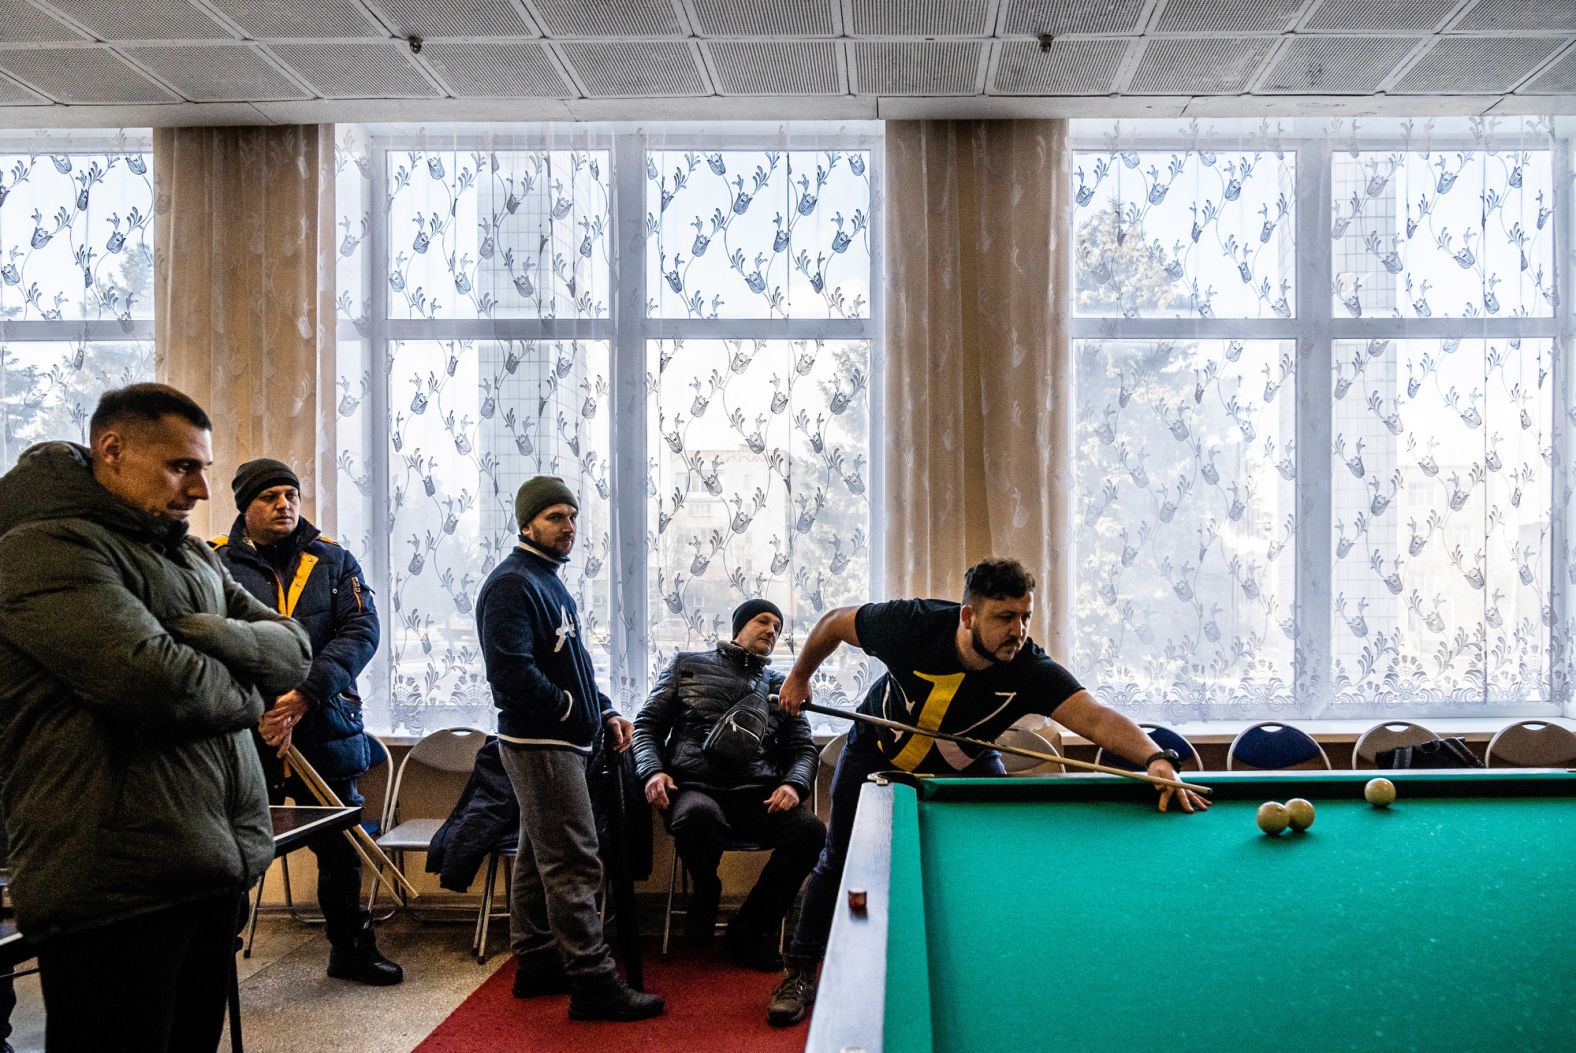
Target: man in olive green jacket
132,670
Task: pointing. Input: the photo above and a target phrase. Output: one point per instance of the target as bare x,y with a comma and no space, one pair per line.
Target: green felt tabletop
1442,923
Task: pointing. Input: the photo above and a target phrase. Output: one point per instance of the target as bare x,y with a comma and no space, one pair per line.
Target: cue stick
1055,758
365,846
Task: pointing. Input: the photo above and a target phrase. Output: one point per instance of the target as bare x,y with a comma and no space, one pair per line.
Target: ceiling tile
82,76
219,73
1058,17
1332,65
1070,67
1518,16
453,18
1199,67
1558,79
143,19
497,69
13,94
22,23
275,19
773,68
1466,65
610,18
922,18
1378,16
919,68
767,18
1229,16
636,70
356,69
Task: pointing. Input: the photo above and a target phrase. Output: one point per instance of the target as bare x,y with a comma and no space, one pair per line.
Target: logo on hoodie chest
566,627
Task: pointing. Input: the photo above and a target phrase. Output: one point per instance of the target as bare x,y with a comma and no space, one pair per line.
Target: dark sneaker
753,950
541,975
361,962
794,994
610,998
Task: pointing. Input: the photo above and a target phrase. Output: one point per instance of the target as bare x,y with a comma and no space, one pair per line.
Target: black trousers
156,983
701,822
338,865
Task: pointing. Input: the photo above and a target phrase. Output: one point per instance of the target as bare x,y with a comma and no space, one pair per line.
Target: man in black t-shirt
963,669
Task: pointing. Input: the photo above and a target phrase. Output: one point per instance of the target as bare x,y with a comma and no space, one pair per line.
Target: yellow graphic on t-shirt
930,716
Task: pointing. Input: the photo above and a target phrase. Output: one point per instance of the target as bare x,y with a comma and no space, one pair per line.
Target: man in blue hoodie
549,713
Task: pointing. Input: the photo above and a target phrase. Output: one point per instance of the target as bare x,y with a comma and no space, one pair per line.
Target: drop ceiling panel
453,18
22,23
82,76
1558,79
918,68
497,69
610,18
142,19
1070,67
1378,16
1229,16
219,73
1463,65
355,69
771,68
1199,67
282,19
13,94
1332,65
1058,17
767,18
636,70
922,18
1518,16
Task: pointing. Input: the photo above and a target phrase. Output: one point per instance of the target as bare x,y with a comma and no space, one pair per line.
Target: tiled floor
289,1005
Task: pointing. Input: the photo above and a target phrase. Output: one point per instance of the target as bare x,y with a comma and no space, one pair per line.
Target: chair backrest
1166,739
1392,734
1273,746
1025,739
1532,744
823,776
374,787
433,775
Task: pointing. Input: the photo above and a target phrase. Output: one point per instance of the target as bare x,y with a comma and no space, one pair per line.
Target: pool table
1019,914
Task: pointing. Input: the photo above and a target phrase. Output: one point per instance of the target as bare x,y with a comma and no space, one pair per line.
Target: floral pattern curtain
76,277
1318,460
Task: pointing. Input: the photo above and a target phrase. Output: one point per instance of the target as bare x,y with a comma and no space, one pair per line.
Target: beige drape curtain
978,375
244,298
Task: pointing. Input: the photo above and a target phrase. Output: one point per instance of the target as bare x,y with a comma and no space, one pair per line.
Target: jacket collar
305,533
532,550
752,662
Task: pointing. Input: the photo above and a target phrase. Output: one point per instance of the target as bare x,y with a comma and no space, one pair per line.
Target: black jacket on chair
691,696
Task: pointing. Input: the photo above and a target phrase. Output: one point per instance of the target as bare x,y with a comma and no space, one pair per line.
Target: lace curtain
673,319
76,278
1322,443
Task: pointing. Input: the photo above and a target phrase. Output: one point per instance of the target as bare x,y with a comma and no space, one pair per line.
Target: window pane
1184,525
1443,233
48,390
1185,234
76,236
472,421
1441,507
498,234
758,481
758,234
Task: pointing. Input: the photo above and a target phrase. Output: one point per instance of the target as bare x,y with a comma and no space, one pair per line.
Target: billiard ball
1299,813
1272,818
1379,792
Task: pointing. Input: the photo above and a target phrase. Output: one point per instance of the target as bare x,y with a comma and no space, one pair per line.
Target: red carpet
712,1005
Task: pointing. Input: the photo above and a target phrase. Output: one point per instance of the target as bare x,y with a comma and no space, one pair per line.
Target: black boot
360,961
607,997
795,992
541,974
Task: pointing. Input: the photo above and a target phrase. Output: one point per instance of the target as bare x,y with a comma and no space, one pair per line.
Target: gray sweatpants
553,894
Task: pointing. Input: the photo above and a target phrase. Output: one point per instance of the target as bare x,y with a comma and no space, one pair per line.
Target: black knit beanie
537,493
749,609
253,477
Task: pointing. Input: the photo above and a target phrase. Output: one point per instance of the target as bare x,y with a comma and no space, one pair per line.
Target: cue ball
857,900
1379,792
1272,818
1299,813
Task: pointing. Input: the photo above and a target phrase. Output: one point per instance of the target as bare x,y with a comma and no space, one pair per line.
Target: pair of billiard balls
1273,817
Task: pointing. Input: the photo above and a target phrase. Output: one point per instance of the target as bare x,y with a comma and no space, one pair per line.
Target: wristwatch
1166,755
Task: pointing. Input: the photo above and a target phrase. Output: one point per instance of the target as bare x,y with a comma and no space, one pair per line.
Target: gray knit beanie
539,492
253,477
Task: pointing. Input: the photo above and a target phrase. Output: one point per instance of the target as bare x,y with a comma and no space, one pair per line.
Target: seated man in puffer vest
282,559
713,791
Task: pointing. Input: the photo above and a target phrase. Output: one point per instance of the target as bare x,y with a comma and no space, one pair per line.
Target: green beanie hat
537,493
